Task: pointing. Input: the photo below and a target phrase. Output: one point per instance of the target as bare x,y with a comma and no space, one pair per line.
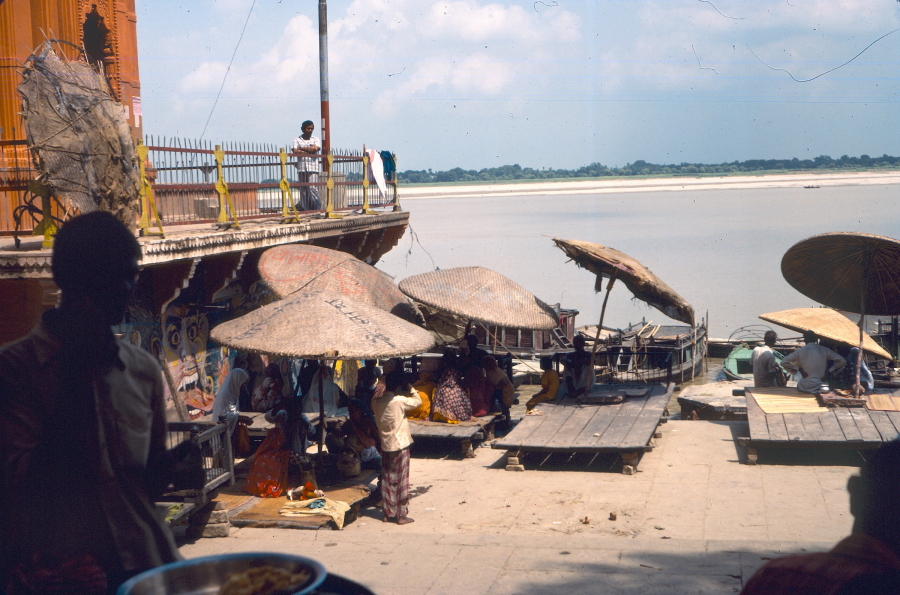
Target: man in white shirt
765,368
393,429
813,361
307,167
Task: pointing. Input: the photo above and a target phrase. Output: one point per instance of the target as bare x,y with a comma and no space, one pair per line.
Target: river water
720,249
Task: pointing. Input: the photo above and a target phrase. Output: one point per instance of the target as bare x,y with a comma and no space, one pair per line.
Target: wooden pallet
464,434
839,427
625,428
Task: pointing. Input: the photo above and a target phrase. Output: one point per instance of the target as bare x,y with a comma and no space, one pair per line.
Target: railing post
148,202
365,185
396,185
329,190
288,214
222,189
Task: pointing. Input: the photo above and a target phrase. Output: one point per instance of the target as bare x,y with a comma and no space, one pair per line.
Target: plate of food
251,573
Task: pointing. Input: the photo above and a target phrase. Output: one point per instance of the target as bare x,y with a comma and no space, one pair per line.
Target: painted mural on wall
179,338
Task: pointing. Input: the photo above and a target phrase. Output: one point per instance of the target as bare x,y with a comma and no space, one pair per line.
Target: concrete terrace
693,520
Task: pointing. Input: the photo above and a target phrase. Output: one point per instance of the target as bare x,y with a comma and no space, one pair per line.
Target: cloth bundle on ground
332,508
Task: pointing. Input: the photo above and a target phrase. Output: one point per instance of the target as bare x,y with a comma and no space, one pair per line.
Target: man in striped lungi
390,417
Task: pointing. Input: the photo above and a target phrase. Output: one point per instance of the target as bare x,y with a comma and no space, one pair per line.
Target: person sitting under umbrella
813,361
450,403
501,386
323,387
577,374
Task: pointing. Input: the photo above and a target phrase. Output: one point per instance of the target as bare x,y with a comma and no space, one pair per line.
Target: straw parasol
609,263
481,295
321,326
827,323
856,272
841,270
303,267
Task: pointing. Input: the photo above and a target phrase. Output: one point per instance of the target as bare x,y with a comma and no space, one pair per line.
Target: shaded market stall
320,326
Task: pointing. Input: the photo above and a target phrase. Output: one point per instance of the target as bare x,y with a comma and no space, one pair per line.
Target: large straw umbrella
480,295
322,326
609,263
291,268
855,272
826,323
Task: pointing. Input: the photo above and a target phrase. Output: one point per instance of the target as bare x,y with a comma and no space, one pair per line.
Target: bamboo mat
882,402
785,400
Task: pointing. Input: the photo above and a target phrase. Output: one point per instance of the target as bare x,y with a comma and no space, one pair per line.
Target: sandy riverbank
620,185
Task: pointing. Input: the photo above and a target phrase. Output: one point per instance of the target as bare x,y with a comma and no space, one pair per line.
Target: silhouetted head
395,381
769,338
488,362
810,337
95,264
578,342
875,498
472,342
546,363
273,371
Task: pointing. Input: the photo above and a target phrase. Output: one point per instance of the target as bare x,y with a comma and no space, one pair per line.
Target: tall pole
323,78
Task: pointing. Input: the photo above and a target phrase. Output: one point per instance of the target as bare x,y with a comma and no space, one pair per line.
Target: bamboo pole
609,287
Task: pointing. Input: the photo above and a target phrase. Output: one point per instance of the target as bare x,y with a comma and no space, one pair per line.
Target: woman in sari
425,387
268,476
451,403
480,392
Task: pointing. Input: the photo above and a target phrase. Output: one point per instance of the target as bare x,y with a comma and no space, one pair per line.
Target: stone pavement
692,520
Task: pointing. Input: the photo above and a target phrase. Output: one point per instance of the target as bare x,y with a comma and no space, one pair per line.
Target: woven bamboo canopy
606,262
842,269
826,323
302,267
321,326
480,295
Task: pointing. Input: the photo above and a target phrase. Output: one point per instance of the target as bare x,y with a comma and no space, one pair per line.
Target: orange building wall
25,24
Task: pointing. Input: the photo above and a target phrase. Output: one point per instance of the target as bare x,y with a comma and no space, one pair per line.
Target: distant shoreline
662,184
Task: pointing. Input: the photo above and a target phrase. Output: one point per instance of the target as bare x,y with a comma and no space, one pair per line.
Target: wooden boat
651,353
738,364
750,335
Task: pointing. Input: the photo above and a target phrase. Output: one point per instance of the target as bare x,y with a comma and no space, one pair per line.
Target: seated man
579,376
549,385
765,368
813,361
868,555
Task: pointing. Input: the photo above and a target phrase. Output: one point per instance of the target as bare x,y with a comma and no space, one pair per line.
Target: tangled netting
79,135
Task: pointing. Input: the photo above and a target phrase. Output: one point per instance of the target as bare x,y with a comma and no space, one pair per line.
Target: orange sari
268,475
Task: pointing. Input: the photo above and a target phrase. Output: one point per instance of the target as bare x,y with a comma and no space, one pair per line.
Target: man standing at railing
306,145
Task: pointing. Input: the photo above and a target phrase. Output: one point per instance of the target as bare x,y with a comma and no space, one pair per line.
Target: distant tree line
642,168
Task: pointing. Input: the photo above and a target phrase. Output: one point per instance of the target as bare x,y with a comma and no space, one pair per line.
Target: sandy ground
620,185
694,519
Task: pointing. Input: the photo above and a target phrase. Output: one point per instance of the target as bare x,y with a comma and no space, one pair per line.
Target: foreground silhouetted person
869,556
82,429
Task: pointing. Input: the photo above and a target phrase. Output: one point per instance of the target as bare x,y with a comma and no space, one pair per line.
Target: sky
546,84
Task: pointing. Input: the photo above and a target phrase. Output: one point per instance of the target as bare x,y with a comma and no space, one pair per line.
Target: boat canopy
828,324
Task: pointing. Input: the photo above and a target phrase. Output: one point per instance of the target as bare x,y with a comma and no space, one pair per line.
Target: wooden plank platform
462,434
832,427
625,428
714,401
